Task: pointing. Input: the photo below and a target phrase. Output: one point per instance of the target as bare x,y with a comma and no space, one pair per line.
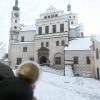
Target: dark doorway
43,55
97,73
43,60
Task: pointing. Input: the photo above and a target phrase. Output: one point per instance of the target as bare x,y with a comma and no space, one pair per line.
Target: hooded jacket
12,88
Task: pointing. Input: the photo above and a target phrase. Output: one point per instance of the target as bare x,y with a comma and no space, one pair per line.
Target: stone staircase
68,72
52,70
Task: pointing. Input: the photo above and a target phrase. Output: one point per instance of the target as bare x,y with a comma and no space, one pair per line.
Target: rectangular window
22,39
48,16
54,28
97,53
40,30
58,60
45,17
62,42
46,29
24,49
61,28
52,16
75,60
19,61
56,15
47,44
31,58
72,22
42,44
88,60
57,43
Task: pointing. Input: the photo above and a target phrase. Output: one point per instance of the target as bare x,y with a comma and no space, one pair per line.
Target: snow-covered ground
56,87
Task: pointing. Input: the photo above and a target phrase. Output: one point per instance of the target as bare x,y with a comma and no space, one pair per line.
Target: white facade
45,42
96,48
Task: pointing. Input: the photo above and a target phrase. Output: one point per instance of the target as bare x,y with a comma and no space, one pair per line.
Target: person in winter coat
30,72
11,87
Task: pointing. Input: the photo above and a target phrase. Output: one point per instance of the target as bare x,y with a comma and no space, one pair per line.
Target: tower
14,30
69,8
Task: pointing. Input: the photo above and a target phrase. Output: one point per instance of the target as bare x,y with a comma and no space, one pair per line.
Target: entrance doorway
98,73
43,60
43,55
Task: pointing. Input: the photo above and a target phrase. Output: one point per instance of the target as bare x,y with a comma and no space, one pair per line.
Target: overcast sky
88,10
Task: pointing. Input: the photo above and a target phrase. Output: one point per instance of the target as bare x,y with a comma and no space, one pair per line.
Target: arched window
62,42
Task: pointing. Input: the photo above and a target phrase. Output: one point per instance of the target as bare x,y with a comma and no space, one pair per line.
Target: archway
43,55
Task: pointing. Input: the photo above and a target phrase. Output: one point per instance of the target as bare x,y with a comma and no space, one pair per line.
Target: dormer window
73,16
56,15
48,16
45,17
52,16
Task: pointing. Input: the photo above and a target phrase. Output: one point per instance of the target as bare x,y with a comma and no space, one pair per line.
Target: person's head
29,71
5,71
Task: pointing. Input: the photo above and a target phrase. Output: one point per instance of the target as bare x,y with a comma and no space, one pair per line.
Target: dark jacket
12,88
15,89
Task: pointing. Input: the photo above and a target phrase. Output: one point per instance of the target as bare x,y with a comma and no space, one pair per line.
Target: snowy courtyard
56,87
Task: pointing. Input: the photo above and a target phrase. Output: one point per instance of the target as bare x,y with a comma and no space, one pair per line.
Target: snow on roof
79,44
97,38
74,26
27,27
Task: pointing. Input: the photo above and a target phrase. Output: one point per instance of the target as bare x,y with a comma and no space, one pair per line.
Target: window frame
24,49
58,60
42,44
22,38
19,61
47,44
63,43
88,61
54,30
39,30
75,59
57,43
61,28
97,53
31,58
46,29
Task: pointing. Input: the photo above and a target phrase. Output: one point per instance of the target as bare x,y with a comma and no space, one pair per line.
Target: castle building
44,43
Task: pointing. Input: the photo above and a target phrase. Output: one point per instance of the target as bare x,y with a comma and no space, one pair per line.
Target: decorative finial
16,3
16,6
69,7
